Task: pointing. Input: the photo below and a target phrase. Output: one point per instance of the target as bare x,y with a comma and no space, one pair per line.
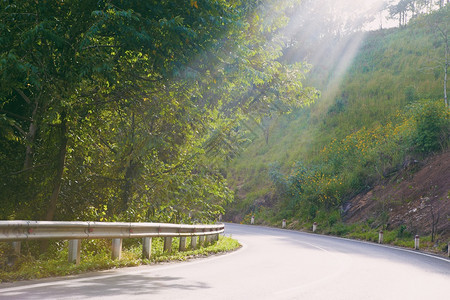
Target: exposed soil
416,197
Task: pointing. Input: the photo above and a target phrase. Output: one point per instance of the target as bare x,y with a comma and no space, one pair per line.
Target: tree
112,103
46,61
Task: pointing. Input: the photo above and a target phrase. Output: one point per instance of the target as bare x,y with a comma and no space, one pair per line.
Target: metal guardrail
17,231
42,230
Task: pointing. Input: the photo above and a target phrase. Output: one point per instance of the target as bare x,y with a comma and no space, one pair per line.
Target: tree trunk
31,135
59,170
30,139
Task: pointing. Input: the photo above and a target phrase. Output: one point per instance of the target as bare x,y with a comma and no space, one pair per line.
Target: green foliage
122,110
365,125
432,127
358,161
95,255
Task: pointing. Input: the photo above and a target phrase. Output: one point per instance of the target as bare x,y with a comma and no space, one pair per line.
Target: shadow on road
104,286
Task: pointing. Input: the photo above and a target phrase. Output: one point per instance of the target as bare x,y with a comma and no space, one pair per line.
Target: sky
354,9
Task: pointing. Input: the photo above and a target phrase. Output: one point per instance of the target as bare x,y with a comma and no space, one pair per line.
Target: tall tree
112,103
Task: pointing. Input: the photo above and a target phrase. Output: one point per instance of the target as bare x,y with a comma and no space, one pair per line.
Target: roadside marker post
314,226
283,224
252,221
380,237
416,242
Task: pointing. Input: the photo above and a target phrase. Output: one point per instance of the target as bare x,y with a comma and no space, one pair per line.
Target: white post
193,242
201,240
252,221
416,242
283,224
168,244
16,247
116,248
380,237
314,227
74,251
220,218
146,247
182,243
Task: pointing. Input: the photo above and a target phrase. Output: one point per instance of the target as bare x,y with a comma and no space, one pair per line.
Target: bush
432,126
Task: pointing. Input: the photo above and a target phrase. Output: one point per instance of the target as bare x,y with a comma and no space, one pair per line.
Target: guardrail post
201,240
216,237
146,247
74,251
182,243
194,242
15,253
116,248
283,224
16,247
252,221
380,237
314,227
168,244
416,242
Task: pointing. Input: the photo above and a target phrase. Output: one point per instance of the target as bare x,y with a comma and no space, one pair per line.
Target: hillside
370,120
415,197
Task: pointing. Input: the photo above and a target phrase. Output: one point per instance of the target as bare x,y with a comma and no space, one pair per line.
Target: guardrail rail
17,231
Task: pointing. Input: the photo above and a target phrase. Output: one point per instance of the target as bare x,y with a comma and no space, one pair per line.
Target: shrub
432,126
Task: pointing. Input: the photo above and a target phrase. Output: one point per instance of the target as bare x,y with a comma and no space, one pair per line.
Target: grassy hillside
386,106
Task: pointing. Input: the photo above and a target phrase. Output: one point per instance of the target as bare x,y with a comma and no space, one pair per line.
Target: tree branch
15,115
27,169
19,129
21,93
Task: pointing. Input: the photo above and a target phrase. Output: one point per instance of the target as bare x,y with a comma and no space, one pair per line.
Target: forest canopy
121,110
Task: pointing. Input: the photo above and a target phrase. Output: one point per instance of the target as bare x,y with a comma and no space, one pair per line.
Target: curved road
272,264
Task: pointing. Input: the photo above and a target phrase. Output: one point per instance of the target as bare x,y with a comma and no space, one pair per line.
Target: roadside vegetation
385,113
96,256
125,110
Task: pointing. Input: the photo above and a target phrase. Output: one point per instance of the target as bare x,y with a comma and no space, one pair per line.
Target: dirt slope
416,197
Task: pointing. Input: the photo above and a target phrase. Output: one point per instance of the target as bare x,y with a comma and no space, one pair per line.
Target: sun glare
340,25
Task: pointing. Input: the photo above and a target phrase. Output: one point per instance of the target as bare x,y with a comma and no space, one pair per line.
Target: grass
391,72
96,256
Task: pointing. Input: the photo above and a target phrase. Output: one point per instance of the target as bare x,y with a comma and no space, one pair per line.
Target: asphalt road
272,264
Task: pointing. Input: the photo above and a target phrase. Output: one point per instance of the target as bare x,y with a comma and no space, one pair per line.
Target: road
272,264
